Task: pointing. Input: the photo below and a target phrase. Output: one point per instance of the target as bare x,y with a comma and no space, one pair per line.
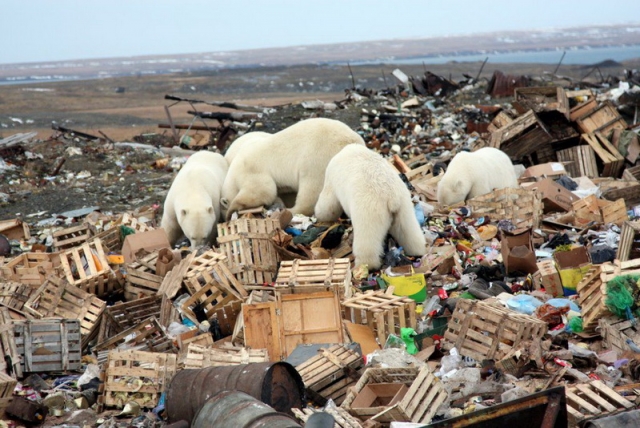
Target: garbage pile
525,306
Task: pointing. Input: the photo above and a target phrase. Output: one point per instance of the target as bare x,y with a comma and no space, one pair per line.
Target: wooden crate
172,282
292,320
604,118
523,137
7,385
420,403
629,246
615,333
10,363
541,99
384,313
83,264
585,100
130,220
330,373
48,345
631,173
30,268
122,316
579,161
618,189
592,293
523,207
15,229
111,239
256,296
341,417
594,399
311,276
153,370
193,338
142,280
147,335
199,357
14,295
251,254
608,157
71,237
482,331
57,298
212,288
590,208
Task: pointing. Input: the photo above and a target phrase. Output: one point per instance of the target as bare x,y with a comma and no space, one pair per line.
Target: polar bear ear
224,202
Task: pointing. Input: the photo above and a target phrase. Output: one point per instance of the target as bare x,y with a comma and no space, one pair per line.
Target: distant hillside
383,50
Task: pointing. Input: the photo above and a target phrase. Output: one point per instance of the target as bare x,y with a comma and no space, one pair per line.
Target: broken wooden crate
330,373
615,333
10,363
629,246
142,280
256,296
482,331
524,137
591,208
603,118
71,237
341,417
199,357
15,229
610,161
122,316
57,298
541,99
30,268
86,267
312,276
580,161
251,254
151,373
384,313
292,320
7,385
418,394
594,399
48,345
14,295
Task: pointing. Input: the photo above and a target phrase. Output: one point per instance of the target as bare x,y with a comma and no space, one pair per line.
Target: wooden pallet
629,246
592,294
482,331
580,161
14,295
204,340
10,363
331,372
251,254
71,237
199,357
523,207
142,280
604,119
419,404
594,399
122,316
615,333
341,417
81,265
312,276
384,313
48,345
147,335
57,298
153,372
608,157
212,287
30,268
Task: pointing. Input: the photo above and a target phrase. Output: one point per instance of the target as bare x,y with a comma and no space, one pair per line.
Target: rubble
527,298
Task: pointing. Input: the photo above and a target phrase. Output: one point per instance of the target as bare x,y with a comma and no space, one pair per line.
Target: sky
53,30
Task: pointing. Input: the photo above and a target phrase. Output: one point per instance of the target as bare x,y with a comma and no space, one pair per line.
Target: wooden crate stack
48,345
251,254
331,373
629,246
7,385
8,346
30,268
57,298
523,207
419,404
592,293
481,331
122,316
594,399
87,267
199,357
383,312
142,280
311,276
153,370
71,237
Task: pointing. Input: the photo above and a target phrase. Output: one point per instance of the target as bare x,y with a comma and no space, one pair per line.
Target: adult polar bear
292,160
192,205
243,141
371,192
472,174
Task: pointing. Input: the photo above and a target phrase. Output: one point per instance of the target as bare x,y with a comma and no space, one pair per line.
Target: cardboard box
379,395
550,278
517,251
554,196
148,241
551,169
572,266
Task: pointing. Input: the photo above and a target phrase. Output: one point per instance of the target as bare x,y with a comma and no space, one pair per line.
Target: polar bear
243,141
192,205
472,174
371,192
292,160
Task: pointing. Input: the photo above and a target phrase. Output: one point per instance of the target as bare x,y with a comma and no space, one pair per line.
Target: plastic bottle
433,304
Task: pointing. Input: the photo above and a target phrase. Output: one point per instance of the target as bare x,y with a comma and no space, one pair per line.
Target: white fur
292,160
371,192
472,174
244,141
192,205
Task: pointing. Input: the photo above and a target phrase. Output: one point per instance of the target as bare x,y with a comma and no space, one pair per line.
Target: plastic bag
524,303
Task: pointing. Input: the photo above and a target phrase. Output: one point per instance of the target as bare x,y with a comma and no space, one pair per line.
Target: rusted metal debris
503,85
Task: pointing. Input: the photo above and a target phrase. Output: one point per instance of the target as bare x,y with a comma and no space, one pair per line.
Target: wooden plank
262,328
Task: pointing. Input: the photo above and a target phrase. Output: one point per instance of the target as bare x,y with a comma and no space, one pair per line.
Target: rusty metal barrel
278,385
239,410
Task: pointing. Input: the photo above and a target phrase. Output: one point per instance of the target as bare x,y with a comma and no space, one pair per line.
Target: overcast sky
47,30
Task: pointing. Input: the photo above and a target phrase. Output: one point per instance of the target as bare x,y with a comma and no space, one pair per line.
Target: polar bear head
198,224
453,189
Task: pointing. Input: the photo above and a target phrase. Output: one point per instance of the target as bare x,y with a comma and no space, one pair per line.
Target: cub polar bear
292,160
192,205
472,174
371,192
